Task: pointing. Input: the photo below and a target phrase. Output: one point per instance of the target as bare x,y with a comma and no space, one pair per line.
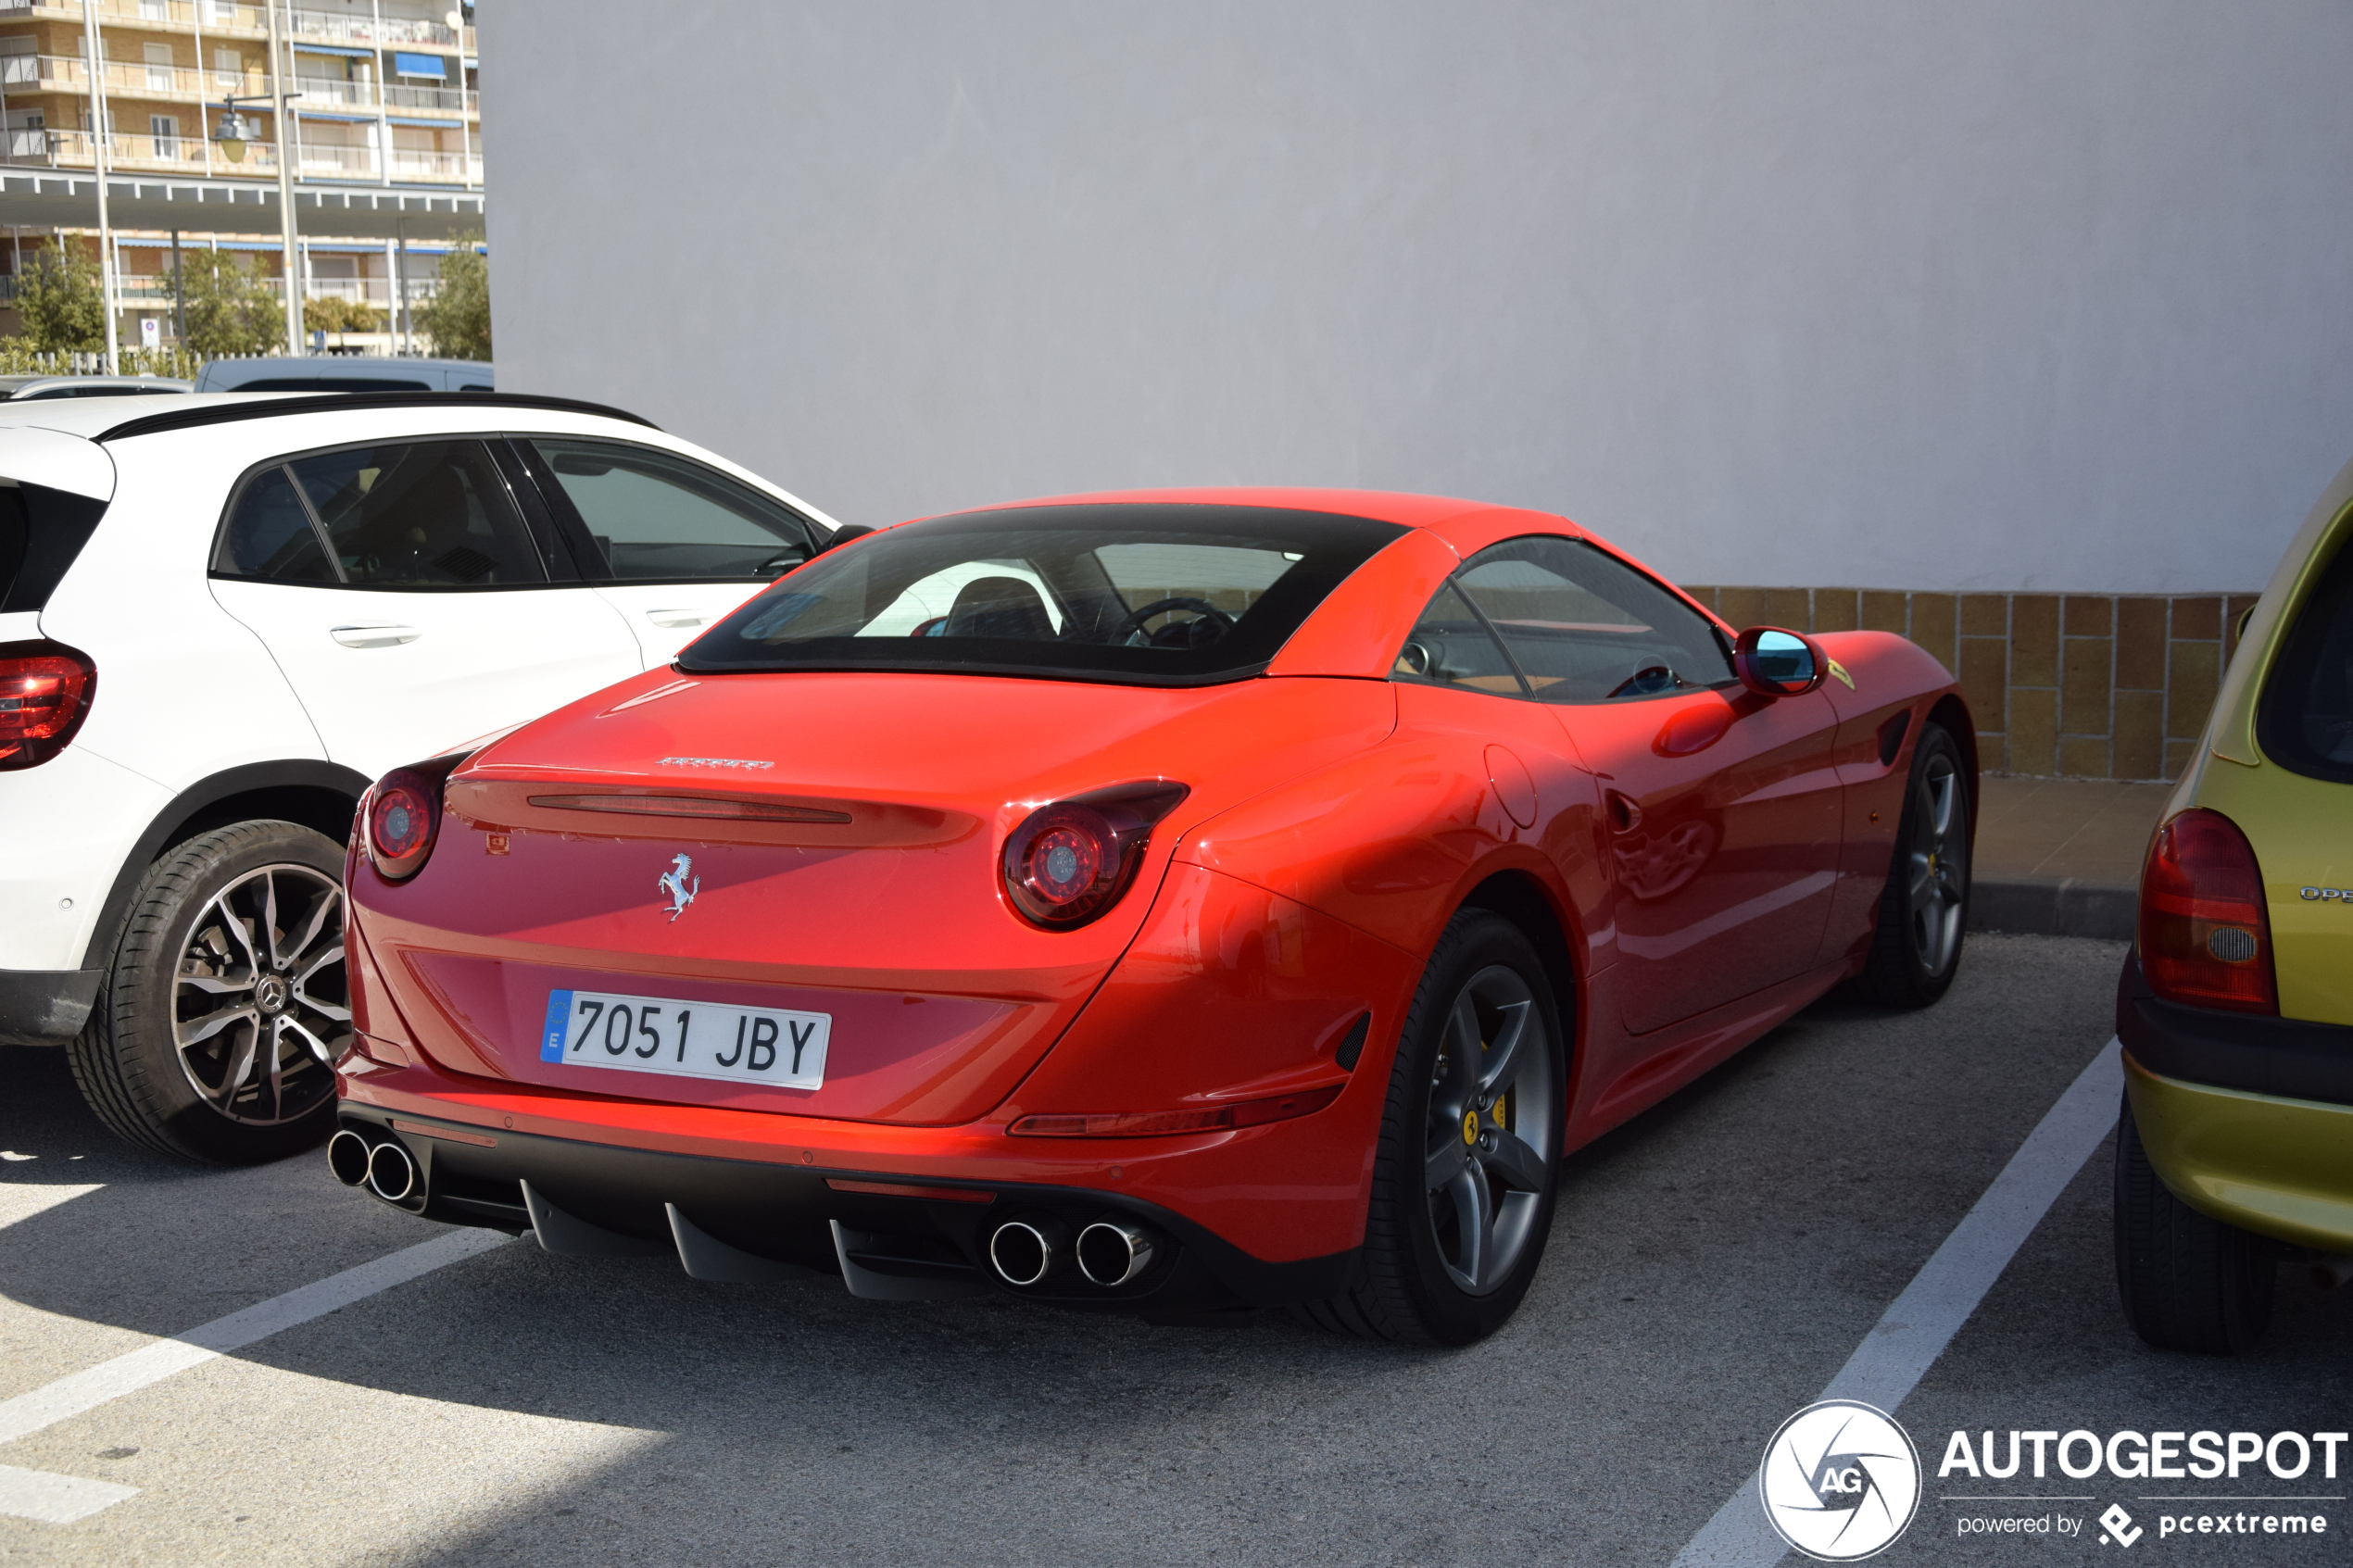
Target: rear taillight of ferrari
401,817
1072,860
2205,939
44,692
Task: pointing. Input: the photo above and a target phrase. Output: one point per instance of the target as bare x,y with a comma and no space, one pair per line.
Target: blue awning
335,49
342,119
421,65
319,248
424,124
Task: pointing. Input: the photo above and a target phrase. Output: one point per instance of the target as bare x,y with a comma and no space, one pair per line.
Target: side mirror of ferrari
843,536
1772,662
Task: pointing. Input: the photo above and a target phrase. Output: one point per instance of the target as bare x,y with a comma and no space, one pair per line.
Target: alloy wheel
259,1003
1938,873
1490,1133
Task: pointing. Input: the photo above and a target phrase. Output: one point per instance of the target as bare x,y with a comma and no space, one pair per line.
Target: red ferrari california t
1180,903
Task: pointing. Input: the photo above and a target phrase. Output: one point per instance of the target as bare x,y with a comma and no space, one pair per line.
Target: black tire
194,952
1923,911
2188,1281
1413,1288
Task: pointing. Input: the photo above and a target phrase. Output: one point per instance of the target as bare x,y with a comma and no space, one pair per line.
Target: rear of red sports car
869,947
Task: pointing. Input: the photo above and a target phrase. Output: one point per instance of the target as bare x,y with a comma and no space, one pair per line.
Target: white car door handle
374,637
676,618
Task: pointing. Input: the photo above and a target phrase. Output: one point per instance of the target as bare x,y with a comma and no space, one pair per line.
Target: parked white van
345,372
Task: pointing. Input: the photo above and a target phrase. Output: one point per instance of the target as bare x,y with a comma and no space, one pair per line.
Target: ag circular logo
1840,1481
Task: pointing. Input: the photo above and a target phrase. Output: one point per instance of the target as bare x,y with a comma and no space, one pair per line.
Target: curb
2055,906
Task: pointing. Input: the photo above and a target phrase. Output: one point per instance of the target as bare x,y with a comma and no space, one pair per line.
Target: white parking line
127,1374
1918,1325
55,1499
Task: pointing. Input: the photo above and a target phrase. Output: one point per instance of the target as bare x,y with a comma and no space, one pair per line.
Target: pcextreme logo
1841,1481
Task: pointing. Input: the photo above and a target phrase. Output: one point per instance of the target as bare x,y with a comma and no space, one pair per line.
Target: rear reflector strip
447,1134
689,805
1175,1123
896,1190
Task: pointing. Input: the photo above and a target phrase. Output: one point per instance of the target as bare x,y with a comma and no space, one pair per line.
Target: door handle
676,618
374,637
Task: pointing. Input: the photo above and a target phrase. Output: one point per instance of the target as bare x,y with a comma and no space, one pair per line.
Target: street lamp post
278,71
231,134
94,53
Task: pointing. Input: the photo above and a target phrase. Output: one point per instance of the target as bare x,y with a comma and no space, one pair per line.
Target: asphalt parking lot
1713,1266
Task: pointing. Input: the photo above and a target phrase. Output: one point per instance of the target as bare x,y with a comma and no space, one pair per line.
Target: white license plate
687,1039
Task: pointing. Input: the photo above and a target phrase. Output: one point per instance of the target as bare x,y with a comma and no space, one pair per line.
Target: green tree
458,316
60,302
227,309
333,315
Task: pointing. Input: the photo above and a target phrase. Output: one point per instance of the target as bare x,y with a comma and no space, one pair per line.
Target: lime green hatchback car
2234,1153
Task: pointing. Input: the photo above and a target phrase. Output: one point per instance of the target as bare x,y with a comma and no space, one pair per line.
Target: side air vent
1891,737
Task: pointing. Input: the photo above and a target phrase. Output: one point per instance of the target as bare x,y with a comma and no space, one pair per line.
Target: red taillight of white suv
44,692
2206,937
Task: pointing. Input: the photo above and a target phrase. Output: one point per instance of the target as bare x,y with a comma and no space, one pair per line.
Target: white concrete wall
1994,294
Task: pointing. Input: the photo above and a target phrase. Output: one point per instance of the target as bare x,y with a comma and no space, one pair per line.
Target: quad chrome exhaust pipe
392,1175
1024,1252
384,1169
1028,1249
347,1157
1111,1252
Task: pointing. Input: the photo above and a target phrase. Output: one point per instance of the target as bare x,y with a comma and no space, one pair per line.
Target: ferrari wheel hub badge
1470,1126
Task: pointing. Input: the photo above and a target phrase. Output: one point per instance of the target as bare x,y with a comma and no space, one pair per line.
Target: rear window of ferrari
2305,717
1134,594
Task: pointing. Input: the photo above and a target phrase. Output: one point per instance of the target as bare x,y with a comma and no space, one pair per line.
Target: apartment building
383,141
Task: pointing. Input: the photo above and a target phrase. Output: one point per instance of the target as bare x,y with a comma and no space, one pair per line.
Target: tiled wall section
2063,685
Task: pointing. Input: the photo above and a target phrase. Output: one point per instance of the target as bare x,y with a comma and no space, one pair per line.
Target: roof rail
269,406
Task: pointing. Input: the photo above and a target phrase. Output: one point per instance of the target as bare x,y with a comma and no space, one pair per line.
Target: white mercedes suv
220,617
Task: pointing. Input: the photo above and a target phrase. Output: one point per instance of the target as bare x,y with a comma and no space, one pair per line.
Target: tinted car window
42,531
95,392
426,514
1151,595
656,517
1450,646
2305,717
333,383
1583,626
269,534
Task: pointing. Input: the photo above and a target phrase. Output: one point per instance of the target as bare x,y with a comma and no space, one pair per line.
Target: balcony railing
178,155
443,100
187,155
128,79
375,292
145,288
341,28
418,163
133,79
319,90
231,16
